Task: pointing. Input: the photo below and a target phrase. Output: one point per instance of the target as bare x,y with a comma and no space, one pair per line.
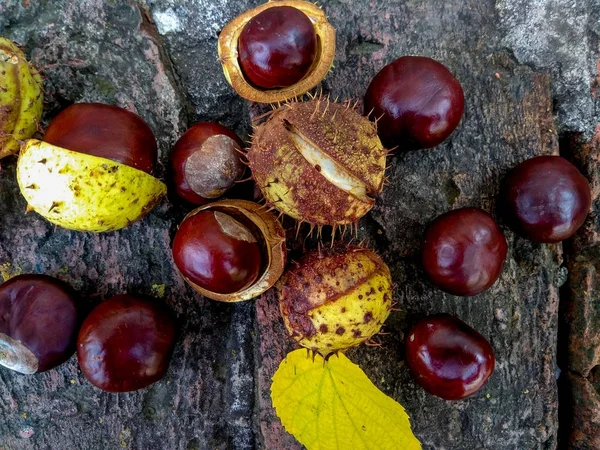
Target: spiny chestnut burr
545,199
277,51
126,343
38,323
463,251
277,47
92,171
21,98
416,101
448,358
206,162
318,161
332,300
231,250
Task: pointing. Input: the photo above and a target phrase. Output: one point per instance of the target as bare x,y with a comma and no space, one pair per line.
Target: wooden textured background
529,70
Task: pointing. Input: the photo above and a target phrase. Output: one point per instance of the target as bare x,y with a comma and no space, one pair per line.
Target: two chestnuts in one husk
92,171
21,98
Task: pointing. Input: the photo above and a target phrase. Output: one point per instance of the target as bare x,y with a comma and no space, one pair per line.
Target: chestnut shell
40,312
545,199
463,251
448,358
126,343
105,131
417,102
277,47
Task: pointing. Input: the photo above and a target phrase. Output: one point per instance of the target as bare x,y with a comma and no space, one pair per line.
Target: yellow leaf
332,405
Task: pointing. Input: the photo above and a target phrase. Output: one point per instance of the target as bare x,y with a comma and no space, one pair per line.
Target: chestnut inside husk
323,59
94,173
270,236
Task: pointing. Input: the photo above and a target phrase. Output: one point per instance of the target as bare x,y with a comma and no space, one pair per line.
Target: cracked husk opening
328,167
15,356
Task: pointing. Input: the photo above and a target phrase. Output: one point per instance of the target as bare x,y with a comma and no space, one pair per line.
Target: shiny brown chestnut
92,172
231,250
545,199
277,51
106,131
217,252
126,343
463,251
206,162
277,47
448,358
38,323
416,101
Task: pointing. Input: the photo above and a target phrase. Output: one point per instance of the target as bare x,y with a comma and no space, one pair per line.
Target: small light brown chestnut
206,162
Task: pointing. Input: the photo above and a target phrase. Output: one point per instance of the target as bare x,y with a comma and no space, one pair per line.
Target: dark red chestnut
277,47
418,102
206,162
126,343
38,323
448,358
105,131
463,251
545,199
217,252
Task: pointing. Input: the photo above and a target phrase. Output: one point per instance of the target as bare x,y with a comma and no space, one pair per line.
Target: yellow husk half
84,192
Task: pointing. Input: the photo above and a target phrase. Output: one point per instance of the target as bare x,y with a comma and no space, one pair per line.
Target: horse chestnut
448,358
277,47
545,199
277,51
92,171
319,162
217,252
463,251
231,250
126,343
417,101
38,323
333,300
206,162
106,131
